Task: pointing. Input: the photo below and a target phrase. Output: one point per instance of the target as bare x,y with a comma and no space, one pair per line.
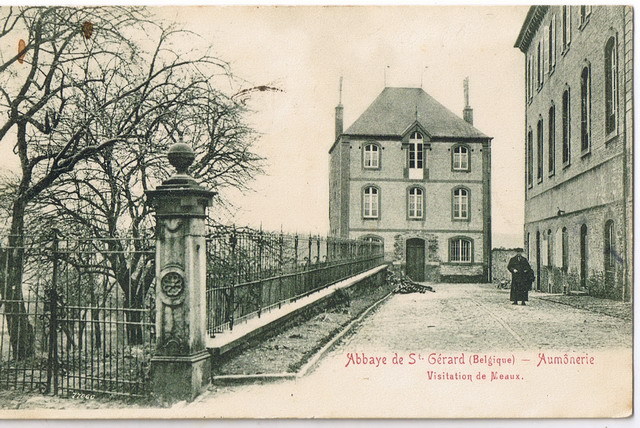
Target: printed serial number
84,396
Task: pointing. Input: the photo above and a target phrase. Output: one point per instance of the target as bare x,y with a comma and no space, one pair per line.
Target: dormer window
416,153
371,156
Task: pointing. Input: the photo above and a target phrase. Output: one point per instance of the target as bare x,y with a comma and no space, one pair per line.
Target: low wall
252,330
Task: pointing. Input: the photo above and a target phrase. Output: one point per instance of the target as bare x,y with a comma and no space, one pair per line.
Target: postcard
316,212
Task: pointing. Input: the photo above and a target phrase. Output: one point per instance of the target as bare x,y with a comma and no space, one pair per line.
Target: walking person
522,277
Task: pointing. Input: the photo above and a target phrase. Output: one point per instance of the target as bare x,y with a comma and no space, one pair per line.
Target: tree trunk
21,332
97,332
133,321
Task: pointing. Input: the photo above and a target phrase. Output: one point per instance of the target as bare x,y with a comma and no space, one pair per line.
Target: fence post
181,365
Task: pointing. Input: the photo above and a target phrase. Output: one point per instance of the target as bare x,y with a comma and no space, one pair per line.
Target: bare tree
81,92
104,195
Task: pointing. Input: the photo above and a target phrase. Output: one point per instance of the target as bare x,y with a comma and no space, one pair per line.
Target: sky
305,50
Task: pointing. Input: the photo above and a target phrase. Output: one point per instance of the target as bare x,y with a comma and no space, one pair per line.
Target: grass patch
291,346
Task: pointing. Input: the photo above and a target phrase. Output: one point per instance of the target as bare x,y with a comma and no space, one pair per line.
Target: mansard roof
396,109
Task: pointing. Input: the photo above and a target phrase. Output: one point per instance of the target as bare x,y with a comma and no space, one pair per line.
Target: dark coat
522,277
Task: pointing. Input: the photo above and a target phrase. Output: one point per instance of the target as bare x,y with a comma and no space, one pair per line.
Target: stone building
579,147
413,175
499,260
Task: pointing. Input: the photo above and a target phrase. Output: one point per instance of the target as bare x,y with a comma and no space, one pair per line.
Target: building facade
413,175
579,147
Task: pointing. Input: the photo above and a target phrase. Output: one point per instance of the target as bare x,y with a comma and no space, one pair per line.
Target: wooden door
415,259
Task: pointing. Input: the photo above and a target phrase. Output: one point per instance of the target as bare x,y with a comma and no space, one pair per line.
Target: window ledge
610,137
551,70
566,165
552,173
584,23
370,218
585,153
565,50
461,219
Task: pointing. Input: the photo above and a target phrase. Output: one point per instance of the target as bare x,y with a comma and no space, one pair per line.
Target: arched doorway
415,259
583,256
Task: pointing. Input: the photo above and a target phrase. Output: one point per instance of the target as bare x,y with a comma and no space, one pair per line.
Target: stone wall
593,186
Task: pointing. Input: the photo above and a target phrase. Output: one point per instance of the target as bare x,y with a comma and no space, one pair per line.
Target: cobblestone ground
456,319
476,318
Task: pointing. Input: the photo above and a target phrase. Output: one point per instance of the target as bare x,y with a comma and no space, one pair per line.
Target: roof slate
396,109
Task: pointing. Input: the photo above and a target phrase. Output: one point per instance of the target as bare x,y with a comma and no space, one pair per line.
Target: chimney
339,114
467,113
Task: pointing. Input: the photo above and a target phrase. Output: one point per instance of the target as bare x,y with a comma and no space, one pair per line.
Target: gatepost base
177,378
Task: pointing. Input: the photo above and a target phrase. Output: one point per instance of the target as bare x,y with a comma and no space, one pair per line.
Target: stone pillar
181,366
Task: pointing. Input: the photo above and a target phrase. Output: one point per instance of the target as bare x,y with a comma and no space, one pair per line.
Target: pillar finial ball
181,156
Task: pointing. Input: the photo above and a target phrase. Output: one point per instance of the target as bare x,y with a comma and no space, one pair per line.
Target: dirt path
430,331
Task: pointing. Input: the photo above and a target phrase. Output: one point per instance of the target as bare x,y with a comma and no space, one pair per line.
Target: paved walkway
438,335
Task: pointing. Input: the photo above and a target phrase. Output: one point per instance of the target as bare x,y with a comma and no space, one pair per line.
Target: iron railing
78,317
250,272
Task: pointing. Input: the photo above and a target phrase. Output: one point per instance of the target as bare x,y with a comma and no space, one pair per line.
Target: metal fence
250,272
76,314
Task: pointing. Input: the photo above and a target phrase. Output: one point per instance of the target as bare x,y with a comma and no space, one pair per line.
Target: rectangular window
544,40
552,44
539,65
566,27
416,203
611,84
585,109
460,250
585,12
566,128
371,156
552,140
527,78
461,158
370,203
540,150
460,204
530,158
531,77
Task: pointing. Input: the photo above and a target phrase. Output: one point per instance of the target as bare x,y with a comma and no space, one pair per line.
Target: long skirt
519,293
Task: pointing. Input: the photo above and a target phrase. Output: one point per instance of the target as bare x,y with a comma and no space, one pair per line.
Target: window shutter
405,147
425,169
